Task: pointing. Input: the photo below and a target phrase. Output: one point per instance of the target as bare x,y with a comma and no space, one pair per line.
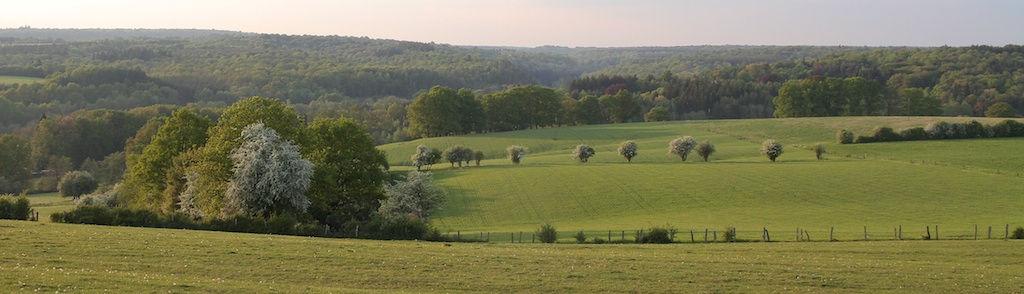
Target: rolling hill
956,184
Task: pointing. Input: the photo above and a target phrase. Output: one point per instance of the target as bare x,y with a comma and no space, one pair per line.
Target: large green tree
442,111
14,163
914,102
147,176
522,107
622,107
349,172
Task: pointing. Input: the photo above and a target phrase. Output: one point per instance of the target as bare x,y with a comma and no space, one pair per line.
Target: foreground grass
60,257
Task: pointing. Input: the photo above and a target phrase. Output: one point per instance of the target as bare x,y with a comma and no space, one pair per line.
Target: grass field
48,203
82,258
18,80
955,184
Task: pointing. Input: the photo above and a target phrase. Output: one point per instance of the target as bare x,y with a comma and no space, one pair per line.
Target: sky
571,23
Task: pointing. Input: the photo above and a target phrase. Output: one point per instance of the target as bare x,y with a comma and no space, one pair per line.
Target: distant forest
106,85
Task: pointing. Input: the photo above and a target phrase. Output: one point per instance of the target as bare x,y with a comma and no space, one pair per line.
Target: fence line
800,234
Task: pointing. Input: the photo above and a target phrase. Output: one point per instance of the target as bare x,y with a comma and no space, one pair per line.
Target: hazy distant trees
820,96
771,149
516,153
914,102
622,107
628,149
705,149
14,164
682,146
582,152
522,107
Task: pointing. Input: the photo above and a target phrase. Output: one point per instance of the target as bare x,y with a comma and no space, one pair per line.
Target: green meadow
883,188
18,80
48,257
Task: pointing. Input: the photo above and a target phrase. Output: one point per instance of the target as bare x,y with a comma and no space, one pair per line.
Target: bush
729,235
844,136
819,149
17,208
655,235
581,238
628,149
705,149
771,149
547,234
77,183
1018,233
582,152
885,134
1008,128
516,153
937,131
913,134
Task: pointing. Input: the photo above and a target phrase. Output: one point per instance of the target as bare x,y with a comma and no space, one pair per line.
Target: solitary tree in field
705,149
478,156
516,153
819,149
270,176
771,149
682,146
582,152
628,150
421,157
77,183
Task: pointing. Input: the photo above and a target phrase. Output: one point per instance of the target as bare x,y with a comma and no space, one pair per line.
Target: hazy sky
602,23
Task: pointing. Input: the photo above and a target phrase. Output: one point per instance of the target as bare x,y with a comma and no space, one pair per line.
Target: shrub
1008,128
819,149
864,139
771,149
599,241
705,149
582,152
12,207
547,234
913,134
581,238
628,150
885,134
77,183
478,156
729,235
844,136
1018,233
516,153
655,235
937,130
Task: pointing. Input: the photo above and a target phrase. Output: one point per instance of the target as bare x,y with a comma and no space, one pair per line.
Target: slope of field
81,258
956,184
18,80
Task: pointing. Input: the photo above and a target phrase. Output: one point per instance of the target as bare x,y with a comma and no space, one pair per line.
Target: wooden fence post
512,236
520,237
901,232
865,233
831,232
715,234
705,235
928,231
768,234
691,237
1007,231
936,232
609,236
975,232
990,232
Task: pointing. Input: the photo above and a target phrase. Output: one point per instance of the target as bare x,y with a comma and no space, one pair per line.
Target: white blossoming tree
516,153
682,146
421,157
771,149
582,152
416,198
270,175
628,150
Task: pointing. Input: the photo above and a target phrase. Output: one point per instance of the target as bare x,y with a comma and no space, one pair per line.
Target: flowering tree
582,152
270,175
628,150
516,153
421,157
416,198
682,146
705,149
771,149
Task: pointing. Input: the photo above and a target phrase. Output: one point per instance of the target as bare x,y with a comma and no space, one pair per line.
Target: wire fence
763,234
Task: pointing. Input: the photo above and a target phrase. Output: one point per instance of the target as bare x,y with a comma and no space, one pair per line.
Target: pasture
83,258
954,184
18,80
